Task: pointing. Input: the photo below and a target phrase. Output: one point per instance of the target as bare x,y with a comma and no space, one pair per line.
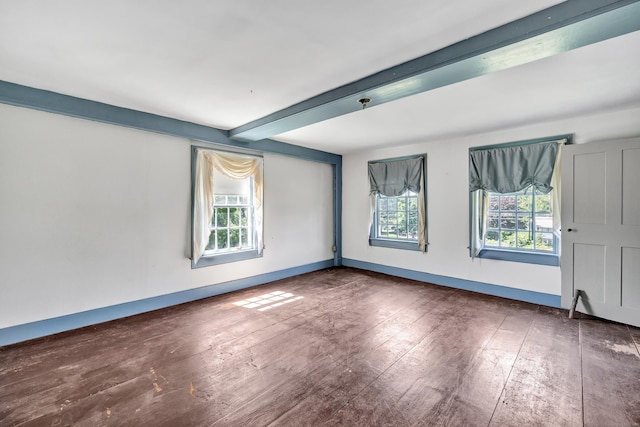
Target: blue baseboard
452,282
27,331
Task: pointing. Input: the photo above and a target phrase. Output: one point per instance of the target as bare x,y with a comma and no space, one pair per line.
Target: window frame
211,259
520,254
250,227
405,244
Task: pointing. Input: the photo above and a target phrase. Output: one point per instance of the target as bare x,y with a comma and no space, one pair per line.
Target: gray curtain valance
392,178
512,169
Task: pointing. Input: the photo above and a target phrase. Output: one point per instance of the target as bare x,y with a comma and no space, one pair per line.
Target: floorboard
358,348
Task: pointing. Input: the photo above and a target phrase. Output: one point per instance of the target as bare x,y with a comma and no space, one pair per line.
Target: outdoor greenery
521,220
230,223
397,217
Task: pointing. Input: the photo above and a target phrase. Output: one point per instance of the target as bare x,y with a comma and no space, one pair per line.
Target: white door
601,228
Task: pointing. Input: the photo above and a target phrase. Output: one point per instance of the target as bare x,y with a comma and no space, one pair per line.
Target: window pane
524,203
543,203
544,241
494,203
508,203
244,217
413,204
233,200
508,221
382,203
220,200
524,222
508,239
212,241
544,223
244,200
234,238
492,238
525,240
234,217
223,241
244,237
221,217
392,219
494,219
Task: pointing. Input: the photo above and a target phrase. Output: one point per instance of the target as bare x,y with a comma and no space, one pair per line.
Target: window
227,207
397,217
514,201
520,221
398,203
232,222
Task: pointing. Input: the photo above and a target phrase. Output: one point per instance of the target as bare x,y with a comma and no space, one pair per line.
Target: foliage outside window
397,217
231,225
520,221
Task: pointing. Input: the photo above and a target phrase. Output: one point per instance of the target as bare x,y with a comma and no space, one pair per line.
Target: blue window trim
518,256
218,259
402,244
394,244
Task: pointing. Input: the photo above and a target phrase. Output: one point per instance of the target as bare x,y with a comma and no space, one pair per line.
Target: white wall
93,215
448,211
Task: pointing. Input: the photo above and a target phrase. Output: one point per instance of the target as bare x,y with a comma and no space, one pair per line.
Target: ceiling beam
566,26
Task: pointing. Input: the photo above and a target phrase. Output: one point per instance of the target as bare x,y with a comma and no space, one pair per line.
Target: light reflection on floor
268,301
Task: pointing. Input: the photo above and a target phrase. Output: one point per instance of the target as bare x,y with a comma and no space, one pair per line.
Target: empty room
361,213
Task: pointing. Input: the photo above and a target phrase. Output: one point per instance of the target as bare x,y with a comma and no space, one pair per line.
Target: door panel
631,278
588,270
589,192
601,228
631,187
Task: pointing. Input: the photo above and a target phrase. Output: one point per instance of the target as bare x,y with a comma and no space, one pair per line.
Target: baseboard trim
41,328
452,282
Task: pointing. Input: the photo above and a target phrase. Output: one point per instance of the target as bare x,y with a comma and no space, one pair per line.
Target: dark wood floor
358,348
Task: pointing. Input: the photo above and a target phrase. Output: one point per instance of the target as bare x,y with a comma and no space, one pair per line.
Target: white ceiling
224,63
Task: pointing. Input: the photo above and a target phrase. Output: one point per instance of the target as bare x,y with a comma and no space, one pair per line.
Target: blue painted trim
452,282
208,261
560,28
337,213
38,99
27,331
517,256
393,244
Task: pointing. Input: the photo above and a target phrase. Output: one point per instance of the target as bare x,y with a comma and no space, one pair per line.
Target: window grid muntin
382,213
225,203
534,215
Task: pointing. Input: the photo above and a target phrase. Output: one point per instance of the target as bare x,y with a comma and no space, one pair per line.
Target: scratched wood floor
358,348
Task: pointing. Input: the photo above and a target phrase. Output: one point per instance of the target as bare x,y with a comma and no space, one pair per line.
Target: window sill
394,244
526,257
210,260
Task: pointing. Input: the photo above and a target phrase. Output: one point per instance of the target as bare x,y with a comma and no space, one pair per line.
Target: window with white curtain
227,207
515,200
398,203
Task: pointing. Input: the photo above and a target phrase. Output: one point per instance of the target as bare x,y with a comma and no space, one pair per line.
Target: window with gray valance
511,168
394,178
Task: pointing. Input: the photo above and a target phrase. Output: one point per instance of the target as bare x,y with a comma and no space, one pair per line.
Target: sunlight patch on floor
268,301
